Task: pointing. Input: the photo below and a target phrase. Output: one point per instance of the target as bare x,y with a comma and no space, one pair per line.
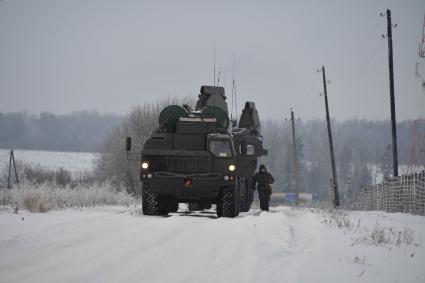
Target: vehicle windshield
220,148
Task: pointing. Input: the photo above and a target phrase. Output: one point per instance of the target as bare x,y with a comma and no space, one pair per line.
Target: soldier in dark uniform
264,180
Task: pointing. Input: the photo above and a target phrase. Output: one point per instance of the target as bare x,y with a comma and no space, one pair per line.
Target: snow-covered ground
117,244
53,160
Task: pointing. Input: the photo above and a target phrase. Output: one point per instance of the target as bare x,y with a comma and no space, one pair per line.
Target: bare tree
113,164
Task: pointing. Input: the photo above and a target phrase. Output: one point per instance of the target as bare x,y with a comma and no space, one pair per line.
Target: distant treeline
78,131
362,151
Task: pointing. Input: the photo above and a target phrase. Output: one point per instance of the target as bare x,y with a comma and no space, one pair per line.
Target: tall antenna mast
236,105
224,77
218,78
233,88
214,60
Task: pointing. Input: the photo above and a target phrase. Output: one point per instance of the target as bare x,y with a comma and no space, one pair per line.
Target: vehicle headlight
145,165
232,167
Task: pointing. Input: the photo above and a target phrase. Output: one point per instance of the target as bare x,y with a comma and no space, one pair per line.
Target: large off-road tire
248,201
245,203
238,204
246,197
194,206
249,193
153,204
173,206
228,202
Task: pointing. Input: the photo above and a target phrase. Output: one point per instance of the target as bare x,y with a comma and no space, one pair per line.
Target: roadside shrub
378,236
63,177
5,197
32,200
37,175
47,196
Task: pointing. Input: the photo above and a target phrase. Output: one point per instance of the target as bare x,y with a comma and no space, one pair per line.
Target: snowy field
53,160
117,244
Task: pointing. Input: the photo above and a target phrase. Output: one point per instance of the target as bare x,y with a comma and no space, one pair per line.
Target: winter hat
262,166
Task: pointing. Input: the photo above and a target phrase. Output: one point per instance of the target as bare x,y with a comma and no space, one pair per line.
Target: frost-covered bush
378,235
47,196
36,174
5,197
61,177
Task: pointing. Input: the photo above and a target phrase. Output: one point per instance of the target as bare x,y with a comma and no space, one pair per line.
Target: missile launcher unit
195,156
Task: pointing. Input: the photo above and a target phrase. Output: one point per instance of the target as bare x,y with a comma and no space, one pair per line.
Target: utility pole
334,181
392,100
294,158
12,160
421,51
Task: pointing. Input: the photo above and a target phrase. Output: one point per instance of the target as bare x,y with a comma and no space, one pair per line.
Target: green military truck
198,156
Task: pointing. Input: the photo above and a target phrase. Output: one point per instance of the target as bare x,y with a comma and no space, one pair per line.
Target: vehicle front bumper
203,186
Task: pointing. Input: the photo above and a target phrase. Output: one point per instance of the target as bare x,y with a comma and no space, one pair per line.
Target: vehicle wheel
251,190
244,199
238,205
245,204
153,204
250,193
194,206
173,206
248,204
228,202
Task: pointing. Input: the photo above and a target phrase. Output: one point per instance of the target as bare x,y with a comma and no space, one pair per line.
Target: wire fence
405,194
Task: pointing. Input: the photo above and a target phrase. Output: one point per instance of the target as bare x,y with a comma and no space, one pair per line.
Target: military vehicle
198,156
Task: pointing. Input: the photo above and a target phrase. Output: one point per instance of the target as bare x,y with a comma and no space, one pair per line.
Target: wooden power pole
392,100
294,158
334,181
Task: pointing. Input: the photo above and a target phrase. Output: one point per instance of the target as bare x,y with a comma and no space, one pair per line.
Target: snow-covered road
117,244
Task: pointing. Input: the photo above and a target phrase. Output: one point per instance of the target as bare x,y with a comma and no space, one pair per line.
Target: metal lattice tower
417,148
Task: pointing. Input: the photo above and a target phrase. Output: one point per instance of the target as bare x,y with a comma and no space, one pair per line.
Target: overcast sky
62,56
